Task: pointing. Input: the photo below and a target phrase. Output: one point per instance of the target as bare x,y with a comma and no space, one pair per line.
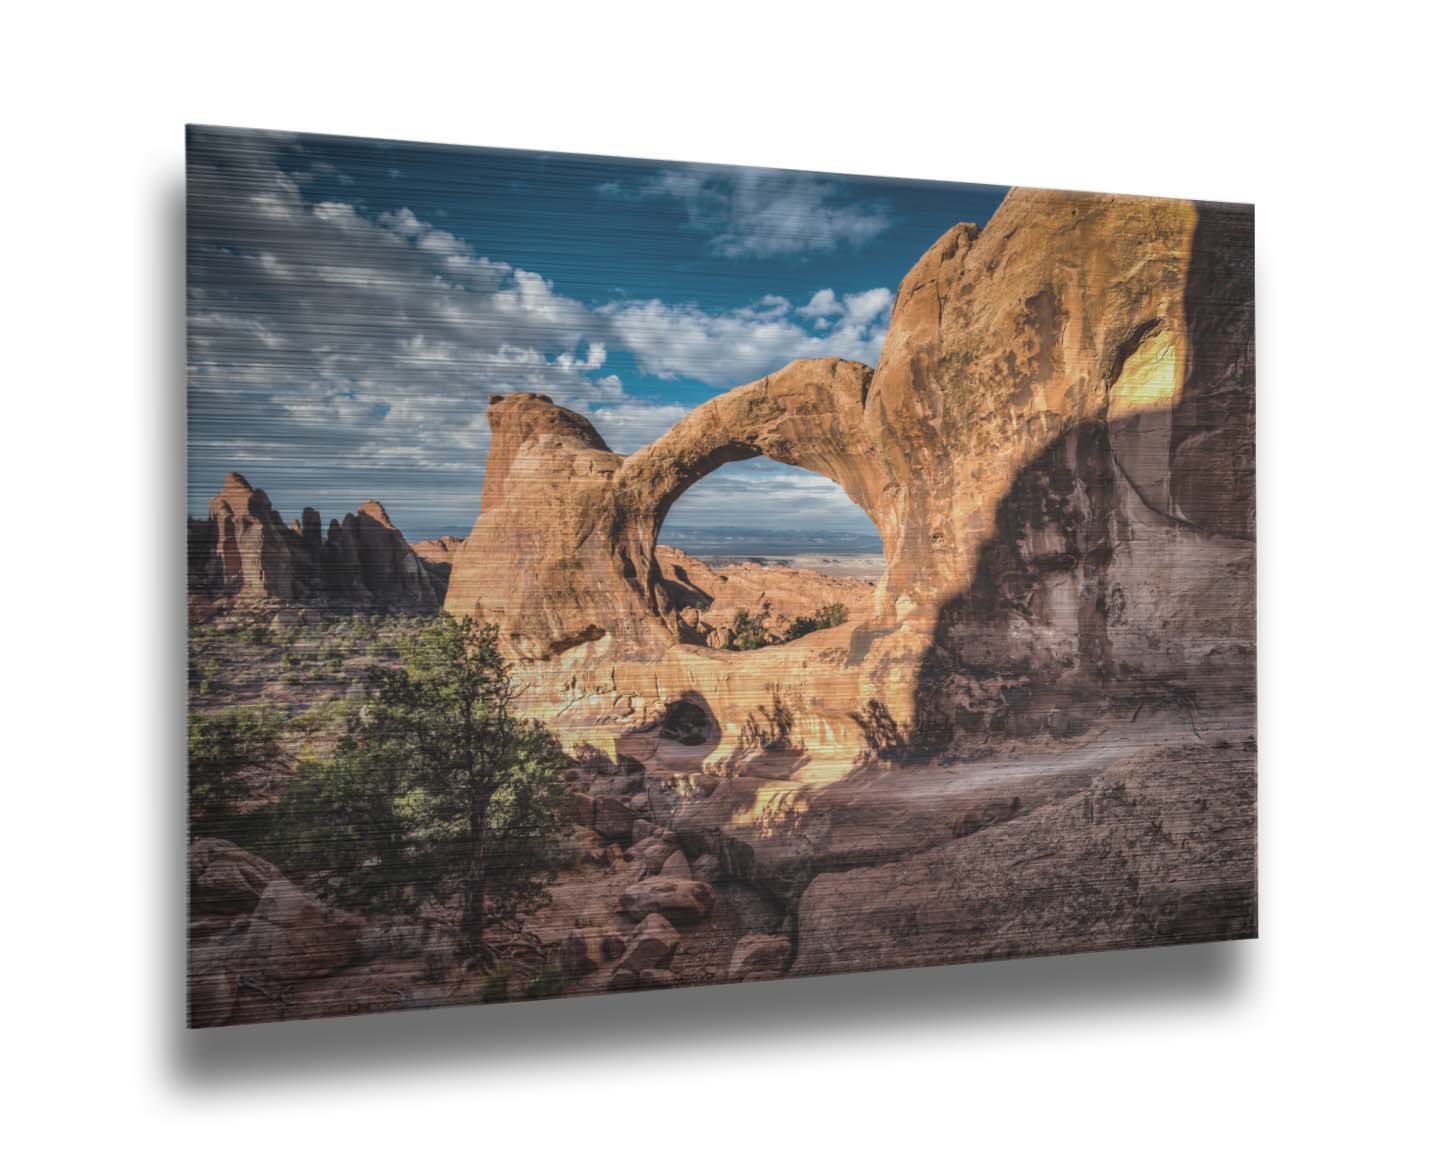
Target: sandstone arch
1069,324
553,487
809,415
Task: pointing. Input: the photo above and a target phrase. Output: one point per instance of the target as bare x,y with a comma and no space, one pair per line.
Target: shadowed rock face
1056,446
245,555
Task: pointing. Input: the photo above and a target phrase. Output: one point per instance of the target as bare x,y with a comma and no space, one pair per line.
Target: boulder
613,818
759,957
706,867
581,808
1159,849
612,944
681,901
651,946
644,829
652,852
212,998
676,865
226,880
589,846
291,936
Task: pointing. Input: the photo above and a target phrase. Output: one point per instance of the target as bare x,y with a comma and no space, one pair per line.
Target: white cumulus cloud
742,344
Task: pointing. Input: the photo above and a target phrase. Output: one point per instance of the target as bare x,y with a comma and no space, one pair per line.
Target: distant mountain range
732,539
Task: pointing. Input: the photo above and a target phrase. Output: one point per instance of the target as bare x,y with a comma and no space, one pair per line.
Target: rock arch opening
768,510
761,553
689,722
588,520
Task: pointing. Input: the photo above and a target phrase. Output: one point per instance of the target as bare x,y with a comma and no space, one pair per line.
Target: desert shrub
771,728
327,718
223,748
437,965
830,616
205,674
545,983
496,986
748,632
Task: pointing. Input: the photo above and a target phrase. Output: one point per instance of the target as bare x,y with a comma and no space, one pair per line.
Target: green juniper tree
226,750
437,790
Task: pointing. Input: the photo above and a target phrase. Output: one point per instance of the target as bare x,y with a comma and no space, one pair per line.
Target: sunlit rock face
1057,447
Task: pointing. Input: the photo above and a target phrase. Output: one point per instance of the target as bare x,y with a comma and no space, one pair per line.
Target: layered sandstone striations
1159,849
244,555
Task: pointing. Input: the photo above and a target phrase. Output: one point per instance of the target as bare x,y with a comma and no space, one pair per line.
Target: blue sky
352,304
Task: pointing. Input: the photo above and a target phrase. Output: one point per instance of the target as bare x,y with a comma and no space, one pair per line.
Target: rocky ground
627,910
290,659
300,668
677,871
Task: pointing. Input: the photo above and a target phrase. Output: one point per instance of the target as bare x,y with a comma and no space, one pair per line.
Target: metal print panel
610,575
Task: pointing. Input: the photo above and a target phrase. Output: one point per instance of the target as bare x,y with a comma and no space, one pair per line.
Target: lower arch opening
759,553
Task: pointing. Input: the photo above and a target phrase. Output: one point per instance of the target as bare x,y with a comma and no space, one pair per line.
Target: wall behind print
1317,1029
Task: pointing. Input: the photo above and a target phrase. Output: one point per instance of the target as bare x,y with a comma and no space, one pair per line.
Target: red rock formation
252,555
441,550
245,556
439,558
1057,449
